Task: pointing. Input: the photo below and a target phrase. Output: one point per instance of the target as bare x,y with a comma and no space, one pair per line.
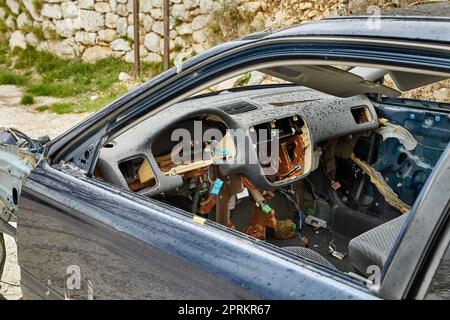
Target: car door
81,238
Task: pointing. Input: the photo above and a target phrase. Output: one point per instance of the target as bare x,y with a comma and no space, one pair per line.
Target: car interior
322,161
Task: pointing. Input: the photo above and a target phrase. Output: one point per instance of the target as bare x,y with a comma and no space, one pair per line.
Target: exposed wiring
288,194
19,135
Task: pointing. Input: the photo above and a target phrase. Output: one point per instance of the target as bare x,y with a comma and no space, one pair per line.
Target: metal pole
166,58
137,56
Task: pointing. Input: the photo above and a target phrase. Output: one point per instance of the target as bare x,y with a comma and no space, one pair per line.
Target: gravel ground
35,124
10,286
31,122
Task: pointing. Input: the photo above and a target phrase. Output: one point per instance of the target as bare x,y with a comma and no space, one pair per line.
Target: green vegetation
37,31
38,5
43,74
244,79
177,48
51,34
186,37
215,29
151,69
59,107
3,53
127,39
3,27
178,22
42,108
7,77
27,99
89,105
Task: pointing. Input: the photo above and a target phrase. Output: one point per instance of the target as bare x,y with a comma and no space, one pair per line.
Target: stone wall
94,29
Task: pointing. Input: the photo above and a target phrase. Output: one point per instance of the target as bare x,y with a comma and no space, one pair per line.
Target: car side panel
127,247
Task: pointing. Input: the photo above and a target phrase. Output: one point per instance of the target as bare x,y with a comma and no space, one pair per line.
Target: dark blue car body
131,247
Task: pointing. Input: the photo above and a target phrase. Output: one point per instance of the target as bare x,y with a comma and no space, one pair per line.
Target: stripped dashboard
232,149
301,117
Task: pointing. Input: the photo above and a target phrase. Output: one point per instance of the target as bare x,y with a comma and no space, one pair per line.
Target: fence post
166,14
137,56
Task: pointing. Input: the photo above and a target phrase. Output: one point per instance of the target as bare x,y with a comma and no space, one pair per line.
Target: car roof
400,28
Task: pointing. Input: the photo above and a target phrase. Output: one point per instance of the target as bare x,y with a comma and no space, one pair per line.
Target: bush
27,99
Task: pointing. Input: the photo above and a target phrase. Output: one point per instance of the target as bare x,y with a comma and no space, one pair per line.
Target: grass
127,39
89,105
85,104
27,99
215,29
54,90
177,48
43,74
178,22
59,107
38,4
42,108
244,79
7,77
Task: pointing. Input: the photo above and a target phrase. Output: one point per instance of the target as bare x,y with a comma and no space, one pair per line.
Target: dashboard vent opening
137,173
238,107
361,114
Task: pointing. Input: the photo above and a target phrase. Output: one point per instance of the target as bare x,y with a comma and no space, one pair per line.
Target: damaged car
322,181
